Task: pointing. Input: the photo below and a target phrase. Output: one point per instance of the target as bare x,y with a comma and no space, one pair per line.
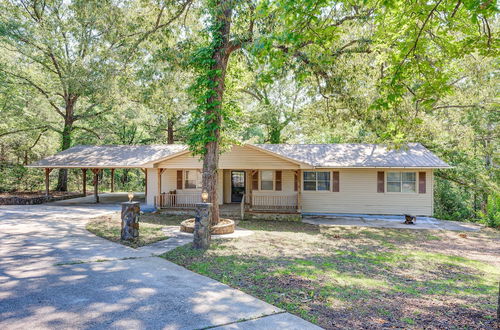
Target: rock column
130,220
201,238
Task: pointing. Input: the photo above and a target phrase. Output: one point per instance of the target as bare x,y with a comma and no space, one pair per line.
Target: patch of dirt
481,246
362,278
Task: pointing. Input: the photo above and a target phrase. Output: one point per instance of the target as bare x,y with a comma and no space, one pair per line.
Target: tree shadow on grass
358,289
280,226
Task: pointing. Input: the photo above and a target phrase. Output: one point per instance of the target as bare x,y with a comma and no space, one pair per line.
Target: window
401,182
319,181
192,179
266,180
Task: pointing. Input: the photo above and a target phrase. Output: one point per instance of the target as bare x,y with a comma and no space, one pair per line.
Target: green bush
15,177
452,202
492,216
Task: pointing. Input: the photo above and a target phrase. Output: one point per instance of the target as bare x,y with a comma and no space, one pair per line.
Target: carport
98,158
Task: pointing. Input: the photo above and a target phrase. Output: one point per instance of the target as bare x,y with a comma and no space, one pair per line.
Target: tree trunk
213,114
3,158
275,135
170,131
124,177
62,180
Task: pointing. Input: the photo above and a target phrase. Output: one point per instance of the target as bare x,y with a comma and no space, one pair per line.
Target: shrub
492,216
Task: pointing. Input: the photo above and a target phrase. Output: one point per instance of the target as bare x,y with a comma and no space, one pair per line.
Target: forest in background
131,72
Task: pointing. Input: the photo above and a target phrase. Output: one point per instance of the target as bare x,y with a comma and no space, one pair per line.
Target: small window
192,179
401,182
266,180
317,181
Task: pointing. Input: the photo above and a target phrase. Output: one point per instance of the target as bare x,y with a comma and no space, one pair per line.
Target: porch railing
184,200
257,202
274,202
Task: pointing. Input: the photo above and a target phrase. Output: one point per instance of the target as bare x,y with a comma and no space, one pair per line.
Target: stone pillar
201,239
130,220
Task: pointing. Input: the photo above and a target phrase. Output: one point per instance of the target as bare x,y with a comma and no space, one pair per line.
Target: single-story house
281,178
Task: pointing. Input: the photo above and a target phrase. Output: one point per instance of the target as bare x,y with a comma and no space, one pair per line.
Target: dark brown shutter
296,181
335,181
255,180
421,183
179,180
380,182
278,180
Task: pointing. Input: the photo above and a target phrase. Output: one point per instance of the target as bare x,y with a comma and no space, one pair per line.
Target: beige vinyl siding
152,188
169,183
286,185
184,161
358,194
239,157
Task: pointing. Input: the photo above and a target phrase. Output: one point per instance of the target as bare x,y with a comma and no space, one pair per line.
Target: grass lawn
150,228
351,277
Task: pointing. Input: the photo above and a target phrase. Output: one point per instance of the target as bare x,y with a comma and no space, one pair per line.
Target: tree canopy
210,73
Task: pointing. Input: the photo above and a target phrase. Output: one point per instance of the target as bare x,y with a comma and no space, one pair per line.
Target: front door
237,186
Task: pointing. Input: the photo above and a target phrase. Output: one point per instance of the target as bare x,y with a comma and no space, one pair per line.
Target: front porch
248,181
257,203
233,211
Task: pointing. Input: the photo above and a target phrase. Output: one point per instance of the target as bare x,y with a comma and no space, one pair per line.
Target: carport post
112,180
84,181
145,171
96,183
47,172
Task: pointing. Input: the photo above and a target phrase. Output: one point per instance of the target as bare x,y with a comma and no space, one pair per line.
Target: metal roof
317,155
357,155
109,156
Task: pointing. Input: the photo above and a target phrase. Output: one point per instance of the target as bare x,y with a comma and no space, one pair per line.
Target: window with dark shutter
179,179
255,180
277,180
335,181
421,183
380,182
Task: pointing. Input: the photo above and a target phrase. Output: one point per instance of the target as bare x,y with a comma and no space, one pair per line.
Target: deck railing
184,200
274,202
257,203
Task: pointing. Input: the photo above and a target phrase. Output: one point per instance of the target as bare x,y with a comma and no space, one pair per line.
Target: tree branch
458,106
257,97
157,26
88,115
44,127
88,130
414,47
237,44
41,90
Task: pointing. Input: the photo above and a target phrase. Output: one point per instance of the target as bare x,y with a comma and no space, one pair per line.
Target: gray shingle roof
317,155
357,155
109,156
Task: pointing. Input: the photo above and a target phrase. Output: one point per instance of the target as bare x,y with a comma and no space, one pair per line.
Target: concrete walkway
388,222
55,274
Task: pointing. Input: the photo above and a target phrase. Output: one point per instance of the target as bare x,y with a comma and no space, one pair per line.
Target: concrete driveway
395,222
55,274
